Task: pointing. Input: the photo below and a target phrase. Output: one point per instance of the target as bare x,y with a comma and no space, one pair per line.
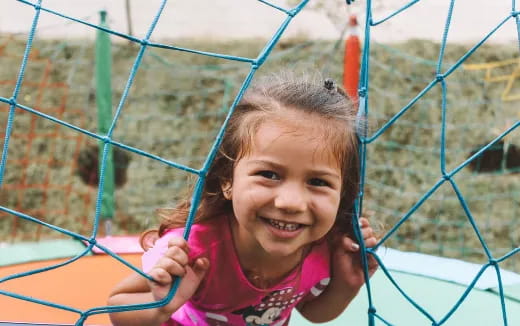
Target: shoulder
202,237
316,270
208,234
319,254
316,265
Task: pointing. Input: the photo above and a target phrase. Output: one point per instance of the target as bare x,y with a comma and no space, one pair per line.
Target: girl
273,230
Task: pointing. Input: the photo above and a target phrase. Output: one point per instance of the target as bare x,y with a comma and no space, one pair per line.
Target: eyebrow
325,172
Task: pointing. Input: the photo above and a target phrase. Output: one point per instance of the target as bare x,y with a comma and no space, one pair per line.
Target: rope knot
372,310
12,101
37,6
515,13
493,262
92,241
362,92
105,139
446,177
439,77
144,42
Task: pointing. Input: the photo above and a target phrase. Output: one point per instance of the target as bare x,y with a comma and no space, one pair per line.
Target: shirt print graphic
270,310
273,310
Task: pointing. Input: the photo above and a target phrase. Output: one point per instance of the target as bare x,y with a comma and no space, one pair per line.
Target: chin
281,251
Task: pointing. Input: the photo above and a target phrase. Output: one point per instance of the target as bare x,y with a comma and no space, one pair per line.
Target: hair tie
329,84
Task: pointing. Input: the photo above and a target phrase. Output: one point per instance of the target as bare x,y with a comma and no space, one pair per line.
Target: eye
319,182
269,175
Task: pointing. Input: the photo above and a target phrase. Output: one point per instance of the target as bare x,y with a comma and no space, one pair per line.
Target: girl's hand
347,268
173,264
347,276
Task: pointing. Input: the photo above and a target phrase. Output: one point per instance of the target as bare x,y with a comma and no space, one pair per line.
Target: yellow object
510,78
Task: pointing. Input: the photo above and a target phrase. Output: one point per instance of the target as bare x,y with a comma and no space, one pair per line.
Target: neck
260,267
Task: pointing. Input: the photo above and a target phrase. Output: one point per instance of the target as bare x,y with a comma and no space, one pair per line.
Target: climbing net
446,180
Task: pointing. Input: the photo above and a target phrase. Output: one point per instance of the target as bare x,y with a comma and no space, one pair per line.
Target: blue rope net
446,176
404,161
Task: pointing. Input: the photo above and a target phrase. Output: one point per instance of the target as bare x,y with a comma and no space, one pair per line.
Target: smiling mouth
284,226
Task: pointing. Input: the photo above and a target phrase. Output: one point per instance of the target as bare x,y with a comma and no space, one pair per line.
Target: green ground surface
11,254
435,296
178,101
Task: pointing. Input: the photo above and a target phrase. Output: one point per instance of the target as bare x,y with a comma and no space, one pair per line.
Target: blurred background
178,101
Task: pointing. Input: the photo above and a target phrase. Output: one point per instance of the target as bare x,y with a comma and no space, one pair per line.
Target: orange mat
83,284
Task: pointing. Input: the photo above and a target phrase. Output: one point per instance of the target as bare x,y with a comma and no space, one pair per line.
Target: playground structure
394,182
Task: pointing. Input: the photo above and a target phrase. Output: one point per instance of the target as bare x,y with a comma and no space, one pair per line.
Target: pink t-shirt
225,296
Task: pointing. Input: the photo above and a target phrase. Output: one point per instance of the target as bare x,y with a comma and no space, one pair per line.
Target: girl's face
286,189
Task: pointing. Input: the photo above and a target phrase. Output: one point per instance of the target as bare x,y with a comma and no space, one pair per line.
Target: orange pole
351,61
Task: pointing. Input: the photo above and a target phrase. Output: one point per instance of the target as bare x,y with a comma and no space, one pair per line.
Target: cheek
252,193
328,208
248,199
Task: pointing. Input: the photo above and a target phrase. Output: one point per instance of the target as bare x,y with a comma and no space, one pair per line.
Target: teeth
284,226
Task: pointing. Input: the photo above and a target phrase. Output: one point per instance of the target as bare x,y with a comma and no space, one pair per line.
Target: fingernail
355,246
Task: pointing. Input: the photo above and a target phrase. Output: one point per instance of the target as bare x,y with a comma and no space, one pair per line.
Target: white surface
471,21
224,19
447,269
208,19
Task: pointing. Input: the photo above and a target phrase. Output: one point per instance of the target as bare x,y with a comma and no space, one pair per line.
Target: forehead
296,133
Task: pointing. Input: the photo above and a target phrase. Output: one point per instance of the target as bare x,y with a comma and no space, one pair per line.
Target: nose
291,198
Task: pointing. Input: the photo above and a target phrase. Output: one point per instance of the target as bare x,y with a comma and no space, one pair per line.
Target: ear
148,238
226,189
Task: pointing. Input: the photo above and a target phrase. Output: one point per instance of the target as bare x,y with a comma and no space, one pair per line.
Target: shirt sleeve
152,255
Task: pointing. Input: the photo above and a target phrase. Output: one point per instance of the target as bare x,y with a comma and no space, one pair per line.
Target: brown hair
265,100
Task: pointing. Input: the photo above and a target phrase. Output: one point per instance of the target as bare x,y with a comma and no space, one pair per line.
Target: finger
190,283
349,244
200,267
160,276
171,266
372,265
180,255
363,222
372,262
178,242
371,242
367,232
